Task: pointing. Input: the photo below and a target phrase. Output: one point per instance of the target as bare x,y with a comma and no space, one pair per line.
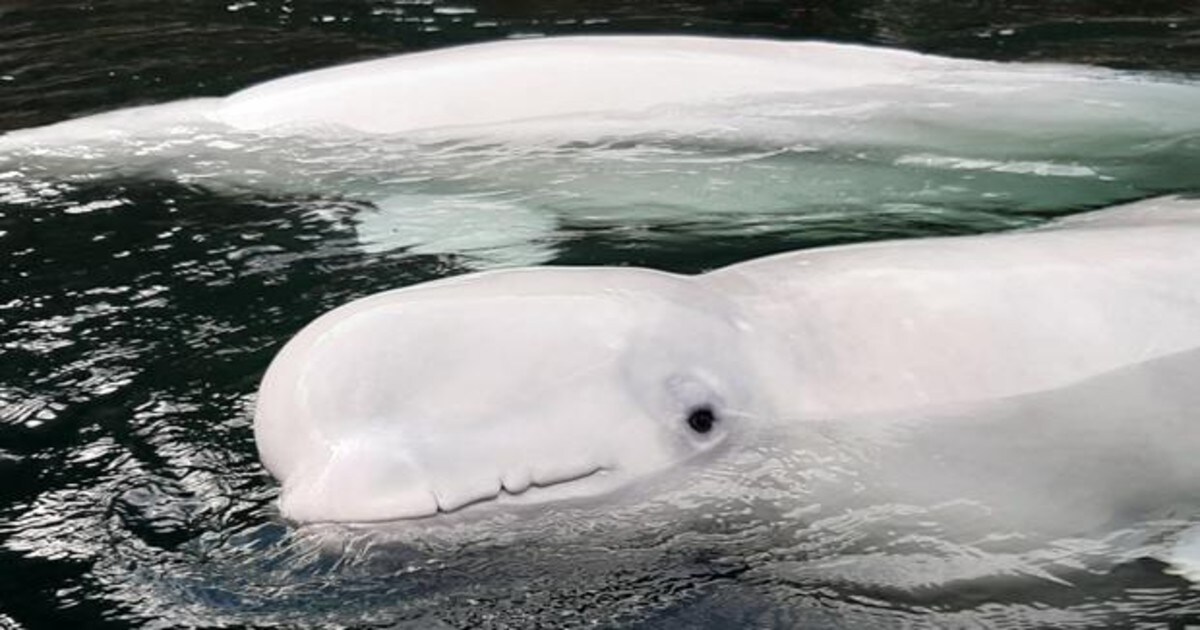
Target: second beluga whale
493,151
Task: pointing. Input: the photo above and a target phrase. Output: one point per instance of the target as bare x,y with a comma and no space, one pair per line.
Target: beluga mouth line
529,490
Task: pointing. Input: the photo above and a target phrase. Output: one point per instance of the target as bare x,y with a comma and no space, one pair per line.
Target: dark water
138,313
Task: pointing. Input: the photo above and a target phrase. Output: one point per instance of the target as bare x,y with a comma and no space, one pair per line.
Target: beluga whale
490,152
1047,373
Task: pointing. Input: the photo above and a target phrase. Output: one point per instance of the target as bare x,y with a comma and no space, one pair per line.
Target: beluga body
1042,353
486,151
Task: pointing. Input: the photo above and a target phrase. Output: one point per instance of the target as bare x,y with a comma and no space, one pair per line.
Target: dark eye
701,419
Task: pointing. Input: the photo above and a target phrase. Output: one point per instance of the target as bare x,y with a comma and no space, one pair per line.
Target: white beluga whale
1049,371
576,87
493,151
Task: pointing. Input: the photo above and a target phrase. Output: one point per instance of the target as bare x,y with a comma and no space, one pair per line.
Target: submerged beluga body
1052,357
490,152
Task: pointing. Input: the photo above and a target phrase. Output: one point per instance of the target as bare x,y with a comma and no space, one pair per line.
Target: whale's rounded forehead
509,337
543,300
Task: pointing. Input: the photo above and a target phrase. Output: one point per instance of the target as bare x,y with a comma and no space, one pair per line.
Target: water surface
140,303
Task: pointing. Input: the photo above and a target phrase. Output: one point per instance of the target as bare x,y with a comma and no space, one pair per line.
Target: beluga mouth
382,480
525,491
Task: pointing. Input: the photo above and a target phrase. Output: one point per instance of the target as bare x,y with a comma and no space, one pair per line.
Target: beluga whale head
516,386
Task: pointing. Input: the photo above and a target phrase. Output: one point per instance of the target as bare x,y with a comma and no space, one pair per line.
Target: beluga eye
701,419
